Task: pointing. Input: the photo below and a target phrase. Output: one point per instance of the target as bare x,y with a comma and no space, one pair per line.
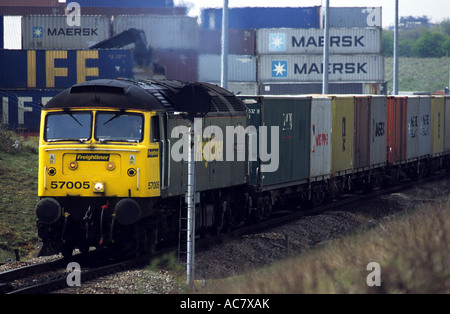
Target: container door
425,126
362,132
378,107
320,165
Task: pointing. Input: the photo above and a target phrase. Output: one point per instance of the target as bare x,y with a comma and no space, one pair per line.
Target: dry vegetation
412,249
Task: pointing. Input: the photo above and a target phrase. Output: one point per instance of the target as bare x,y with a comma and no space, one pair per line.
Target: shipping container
240,41
309,68
1,32
291,116
311,41
320,165
362,133
413,128
343,108
126,4
292,88
424,126
59,32
253,18
396,129
28,3
162,31
133,11
21,109
437,125
178,64
378,124
360,17
241,89
43,69
447,125
58,9
241,68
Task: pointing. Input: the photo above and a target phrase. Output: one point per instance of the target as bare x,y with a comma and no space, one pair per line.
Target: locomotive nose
48,210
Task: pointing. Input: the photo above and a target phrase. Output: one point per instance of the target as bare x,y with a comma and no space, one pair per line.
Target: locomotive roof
152,95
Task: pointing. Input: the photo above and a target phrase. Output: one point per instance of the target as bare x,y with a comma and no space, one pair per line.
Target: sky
436,10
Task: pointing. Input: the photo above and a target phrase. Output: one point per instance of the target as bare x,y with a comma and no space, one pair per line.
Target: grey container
54,32
378,125
353,17
412,128
311,41
309,68
425,126
447,124
162,31
241,68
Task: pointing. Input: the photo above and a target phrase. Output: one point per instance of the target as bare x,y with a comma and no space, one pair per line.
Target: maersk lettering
72,31
335,41
333,68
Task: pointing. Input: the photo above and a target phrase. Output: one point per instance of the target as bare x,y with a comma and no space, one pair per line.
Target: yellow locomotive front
99,170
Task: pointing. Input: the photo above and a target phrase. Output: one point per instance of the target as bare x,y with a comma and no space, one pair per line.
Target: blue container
126,4
21,109
49,69
253,18
1,32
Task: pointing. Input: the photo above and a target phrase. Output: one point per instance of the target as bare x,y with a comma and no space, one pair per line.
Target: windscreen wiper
121,112
73,117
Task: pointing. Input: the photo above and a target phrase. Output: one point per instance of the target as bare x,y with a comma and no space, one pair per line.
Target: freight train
113,166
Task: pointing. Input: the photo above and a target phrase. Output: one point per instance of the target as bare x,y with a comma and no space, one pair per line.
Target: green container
292,116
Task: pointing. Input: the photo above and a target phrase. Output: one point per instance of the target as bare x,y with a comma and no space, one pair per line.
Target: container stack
289,47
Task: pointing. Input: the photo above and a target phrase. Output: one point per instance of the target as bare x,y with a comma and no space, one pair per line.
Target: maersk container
21,109
241,68
396,129
413,128
44,69
292,117
293,88
162,31
340,17
240,41
309,68
437,125
362,133
424,126
260,17
311,41
378,124
320,165
343,108
57,32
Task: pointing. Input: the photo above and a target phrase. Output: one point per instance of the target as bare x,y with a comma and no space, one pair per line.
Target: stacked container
174,40
291,59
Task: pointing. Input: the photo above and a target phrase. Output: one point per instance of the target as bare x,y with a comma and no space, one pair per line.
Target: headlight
99,187
73,165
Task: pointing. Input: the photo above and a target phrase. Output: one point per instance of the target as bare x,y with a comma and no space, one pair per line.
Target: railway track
24,281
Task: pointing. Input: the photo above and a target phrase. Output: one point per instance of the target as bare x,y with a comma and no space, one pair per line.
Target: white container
309,68
241,68
55,32
311,41
162,31
320,161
